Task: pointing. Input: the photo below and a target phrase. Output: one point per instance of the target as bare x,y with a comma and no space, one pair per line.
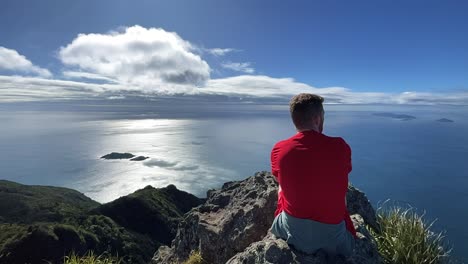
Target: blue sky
393,48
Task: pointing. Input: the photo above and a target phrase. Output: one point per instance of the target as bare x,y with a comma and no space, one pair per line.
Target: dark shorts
309,236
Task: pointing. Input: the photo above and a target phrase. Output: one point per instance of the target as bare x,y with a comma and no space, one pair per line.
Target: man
312,171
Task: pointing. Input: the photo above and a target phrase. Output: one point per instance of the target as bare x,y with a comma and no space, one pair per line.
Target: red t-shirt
312,170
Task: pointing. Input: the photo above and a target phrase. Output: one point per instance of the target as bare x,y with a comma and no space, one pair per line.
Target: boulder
232,226
273,250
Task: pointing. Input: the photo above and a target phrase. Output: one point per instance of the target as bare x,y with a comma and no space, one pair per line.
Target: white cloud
244,67
219,51
147,57
18,88
86,75
11,60
150,62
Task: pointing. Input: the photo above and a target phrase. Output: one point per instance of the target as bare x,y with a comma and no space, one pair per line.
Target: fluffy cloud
145,57
11,60
244,67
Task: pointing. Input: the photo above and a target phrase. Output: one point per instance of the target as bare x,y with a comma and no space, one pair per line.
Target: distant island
402,117
445,120
117,155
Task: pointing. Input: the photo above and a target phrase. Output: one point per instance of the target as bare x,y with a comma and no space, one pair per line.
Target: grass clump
404,237
91,258
195,258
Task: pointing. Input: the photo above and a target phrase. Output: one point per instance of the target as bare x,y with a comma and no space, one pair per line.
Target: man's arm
348,168
274,162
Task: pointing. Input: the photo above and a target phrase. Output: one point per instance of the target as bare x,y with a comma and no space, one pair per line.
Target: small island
445,120
139,158
402,117
117,155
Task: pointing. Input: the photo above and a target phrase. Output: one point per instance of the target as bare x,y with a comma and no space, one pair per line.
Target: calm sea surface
419,162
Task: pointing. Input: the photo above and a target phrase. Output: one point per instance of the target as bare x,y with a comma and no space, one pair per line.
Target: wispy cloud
11,60
220,52
86,75
244,67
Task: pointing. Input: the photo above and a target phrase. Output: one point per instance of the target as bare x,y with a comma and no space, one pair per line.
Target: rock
273,250
139,158
232,225
117,155
232,218
357,203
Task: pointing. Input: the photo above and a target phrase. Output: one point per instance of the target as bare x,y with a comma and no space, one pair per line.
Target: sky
353,52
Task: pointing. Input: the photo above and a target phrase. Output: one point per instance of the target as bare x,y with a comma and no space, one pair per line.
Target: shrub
404,237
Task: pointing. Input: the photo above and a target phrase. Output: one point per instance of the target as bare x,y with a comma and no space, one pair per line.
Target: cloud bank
11,60
150,62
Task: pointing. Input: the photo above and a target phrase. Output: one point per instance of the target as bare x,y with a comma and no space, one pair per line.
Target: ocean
417,161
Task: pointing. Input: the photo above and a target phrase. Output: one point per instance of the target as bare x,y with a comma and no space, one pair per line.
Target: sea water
419,162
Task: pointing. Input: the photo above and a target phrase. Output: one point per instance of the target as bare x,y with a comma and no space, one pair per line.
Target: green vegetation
30,204
405,237
41,223
91,258
155,212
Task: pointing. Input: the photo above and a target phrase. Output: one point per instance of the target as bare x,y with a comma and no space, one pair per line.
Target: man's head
307,112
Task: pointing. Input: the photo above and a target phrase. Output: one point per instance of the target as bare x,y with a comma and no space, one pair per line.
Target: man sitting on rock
312,171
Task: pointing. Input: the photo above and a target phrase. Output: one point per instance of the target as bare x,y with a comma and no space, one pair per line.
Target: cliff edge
232,226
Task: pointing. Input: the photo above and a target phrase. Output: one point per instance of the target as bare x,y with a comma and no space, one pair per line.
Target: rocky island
117,155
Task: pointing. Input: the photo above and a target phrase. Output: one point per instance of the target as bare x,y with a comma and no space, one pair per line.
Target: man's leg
279,228
346,245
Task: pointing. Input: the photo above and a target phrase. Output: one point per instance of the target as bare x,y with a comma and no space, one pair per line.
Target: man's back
312,170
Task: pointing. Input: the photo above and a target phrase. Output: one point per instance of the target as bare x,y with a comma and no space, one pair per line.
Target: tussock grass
91,258
195,258
405,237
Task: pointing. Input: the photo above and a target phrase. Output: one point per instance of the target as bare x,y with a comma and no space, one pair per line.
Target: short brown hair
304,106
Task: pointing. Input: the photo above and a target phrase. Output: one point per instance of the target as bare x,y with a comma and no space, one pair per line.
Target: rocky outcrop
232,218
357,203
117,155
273,250
232,226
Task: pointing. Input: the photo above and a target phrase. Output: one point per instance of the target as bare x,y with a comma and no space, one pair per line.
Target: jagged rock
236,219
273,250
357,203
232,218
